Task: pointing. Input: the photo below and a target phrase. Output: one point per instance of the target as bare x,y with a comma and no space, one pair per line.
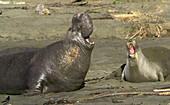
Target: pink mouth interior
131,49
87,40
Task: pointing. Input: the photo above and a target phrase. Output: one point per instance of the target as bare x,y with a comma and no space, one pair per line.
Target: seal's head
132,48
81,29
82,22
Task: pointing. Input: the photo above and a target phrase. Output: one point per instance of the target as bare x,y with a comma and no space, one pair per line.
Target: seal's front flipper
161,77
117,74
31,93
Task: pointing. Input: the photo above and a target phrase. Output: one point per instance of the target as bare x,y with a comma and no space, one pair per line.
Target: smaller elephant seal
60,66
0,12
139,68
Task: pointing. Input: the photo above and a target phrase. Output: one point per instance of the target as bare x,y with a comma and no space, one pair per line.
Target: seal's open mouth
131,49
87,39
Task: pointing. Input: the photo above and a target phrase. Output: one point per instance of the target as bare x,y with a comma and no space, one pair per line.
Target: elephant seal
60,66
141,68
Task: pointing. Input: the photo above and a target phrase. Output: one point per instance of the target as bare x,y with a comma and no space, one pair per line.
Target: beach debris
135,92
4,2
92,9
142,24
158,92
73,1
117,101
115,87
97,95
42,10
59,101
0,12
13,2
112,87
79,2
97,79
16,2
163,91
101,18
112,10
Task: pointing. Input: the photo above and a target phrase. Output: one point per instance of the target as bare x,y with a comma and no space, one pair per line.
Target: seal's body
61,66
140,68
14,72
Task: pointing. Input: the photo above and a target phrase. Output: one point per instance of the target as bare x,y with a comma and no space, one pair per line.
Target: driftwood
101,18
92,9
123,15
13,2
162,89
159,92
136,33
111,10
78,2
117,93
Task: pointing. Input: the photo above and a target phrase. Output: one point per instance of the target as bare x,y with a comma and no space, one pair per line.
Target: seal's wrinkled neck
76,37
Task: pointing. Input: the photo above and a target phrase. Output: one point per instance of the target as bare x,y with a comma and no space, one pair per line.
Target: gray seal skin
61,66
140,68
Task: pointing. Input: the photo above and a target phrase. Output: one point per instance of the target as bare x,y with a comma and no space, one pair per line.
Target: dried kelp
141,25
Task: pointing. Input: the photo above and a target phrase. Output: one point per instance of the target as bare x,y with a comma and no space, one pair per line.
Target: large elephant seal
153,66
61,66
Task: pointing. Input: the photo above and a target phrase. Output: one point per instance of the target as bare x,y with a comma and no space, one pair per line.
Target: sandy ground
21,28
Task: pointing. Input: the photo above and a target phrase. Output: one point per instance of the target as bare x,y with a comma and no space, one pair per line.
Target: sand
22,29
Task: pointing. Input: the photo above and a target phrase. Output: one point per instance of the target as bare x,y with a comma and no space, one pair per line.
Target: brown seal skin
61,66
153,66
